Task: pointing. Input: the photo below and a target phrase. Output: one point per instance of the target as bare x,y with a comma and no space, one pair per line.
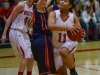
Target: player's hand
30,31
83,34
3,39
72,29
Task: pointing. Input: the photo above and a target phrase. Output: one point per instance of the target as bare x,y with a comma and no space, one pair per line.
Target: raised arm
50,8
48,3
40,4
14,13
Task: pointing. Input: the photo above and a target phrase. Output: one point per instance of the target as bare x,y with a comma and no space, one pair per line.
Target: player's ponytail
72,3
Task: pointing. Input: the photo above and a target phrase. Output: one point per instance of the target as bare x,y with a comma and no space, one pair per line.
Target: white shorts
20,43
57,58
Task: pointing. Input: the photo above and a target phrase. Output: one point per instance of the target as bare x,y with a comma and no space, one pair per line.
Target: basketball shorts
20,43
71,46
43,53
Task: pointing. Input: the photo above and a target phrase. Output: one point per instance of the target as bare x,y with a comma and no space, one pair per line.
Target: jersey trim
29,5
63,19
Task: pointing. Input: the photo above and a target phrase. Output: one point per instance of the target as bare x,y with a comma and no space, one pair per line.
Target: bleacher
6,44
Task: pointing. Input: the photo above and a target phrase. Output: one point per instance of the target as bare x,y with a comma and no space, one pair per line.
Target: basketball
76,37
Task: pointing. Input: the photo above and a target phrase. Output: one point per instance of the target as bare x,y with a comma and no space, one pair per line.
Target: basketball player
63,69
61,21
19,39
41,45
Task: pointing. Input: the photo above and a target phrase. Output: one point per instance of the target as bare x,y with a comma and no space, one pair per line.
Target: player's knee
31,59
64,53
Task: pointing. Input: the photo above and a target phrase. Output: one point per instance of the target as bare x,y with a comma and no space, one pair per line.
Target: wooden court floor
87,60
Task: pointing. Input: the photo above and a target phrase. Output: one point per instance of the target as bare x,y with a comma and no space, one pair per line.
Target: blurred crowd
88,12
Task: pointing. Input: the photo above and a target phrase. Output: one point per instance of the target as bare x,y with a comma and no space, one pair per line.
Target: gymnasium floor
87,60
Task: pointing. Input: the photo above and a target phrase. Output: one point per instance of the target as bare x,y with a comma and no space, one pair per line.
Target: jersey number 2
62,38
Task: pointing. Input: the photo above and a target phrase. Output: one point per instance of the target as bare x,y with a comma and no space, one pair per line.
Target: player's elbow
50,26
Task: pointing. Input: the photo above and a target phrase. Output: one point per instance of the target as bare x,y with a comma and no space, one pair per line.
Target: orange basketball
76,37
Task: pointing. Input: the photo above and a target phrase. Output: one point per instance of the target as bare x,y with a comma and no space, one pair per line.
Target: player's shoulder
70,13
52,13
21,4
57,10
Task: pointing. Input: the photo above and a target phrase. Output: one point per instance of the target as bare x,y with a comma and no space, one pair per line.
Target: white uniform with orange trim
18,36
60,38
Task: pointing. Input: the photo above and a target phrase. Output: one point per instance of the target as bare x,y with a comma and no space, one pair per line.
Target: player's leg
60,66
28,53
67,57
50,55
30,66
43,54
22,66
27,61
21,44
62,70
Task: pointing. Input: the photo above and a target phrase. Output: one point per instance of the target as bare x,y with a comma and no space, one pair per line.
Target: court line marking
11,56
85,50
88,68
81,50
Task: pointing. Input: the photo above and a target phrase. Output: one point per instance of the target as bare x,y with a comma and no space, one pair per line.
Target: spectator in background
1,3
94,4
76,1
16,2
98,1
98,18
4,14
11,2
85,0
82,5
78,12
89,18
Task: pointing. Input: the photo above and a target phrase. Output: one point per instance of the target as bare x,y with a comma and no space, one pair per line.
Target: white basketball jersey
60,37
21,21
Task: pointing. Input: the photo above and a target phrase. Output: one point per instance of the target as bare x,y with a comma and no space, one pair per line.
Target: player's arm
40,4
48,3
76,21
53,26
50,8
14,13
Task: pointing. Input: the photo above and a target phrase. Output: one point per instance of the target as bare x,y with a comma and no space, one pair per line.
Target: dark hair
73,5
80,11
88,6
